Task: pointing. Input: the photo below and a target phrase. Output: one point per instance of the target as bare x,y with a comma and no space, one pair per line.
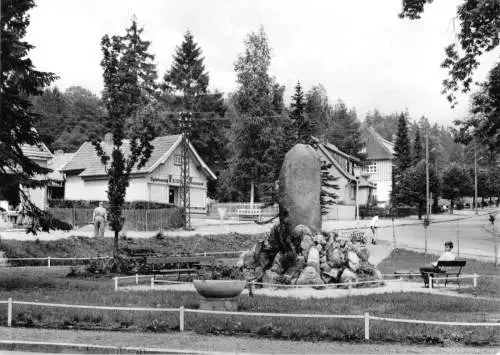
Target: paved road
469,236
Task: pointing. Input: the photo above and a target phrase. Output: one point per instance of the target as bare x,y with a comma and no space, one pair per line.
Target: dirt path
209,343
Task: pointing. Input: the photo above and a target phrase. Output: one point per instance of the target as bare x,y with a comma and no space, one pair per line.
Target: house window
177,160
372,167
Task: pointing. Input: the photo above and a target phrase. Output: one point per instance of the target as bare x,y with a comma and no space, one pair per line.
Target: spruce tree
20,80
304,128
402,156
186,89
417,152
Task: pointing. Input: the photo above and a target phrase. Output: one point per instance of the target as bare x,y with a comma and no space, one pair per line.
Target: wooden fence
231,208
137,219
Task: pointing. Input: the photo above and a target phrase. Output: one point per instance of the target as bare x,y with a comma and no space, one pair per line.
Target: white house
158,181
379,155
354,185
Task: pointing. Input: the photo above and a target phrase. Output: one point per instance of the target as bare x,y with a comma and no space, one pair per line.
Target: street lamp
475,178
357,203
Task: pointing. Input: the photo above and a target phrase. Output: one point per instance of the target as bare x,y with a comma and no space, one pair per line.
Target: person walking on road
99,218
373,227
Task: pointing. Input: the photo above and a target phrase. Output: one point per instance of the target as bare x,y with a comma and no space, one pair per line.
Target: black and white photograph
250,177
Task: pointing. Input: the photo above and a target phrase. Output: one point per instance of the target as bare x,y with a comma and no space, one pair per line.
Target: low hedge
133,205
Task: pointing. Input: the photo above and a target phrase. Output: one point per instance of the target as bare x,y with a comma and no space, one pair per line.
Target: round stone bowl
219,288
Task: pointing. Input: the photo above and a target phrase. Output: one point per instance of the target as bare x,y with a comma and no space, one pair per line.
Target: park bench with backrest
179,265
446,269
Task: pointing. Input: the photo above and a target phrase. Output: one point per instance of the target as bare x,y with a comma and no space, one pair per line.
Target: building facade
379,155
158,181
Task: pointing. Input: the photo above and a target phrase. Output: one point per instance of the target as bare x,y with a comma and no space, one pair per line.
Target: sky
359,50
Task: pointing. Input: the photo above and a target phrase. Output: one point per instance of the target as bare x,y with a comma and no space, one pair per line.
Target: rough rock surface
309,276
300,188
313,258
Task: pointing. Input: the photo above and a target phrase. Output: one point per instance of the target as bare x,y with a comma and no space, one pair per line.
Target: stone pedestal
219,304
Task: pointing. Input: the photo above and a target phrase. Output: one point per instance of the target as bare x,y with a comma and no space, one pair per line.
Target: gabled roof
327,148
377,148
39,151
56,163
86,163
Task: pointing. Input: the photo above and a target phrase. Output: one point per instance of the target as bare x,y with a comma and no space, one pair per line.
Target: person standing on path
373,227
99,218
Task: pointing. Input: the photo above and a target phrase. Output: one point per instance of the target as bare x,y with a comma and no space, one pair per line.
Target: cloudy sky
359,50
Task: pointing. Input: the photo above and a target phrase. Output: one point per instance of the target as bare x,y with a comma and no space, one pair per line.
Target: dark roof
87,163
377,148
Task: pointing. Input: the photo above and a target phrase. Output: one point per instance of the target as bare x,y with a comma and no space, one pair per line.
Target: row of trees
452,181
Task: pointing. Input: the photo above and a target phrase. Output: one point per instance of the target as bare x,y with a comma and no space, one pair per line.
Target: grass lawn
488,283
52,285
91,247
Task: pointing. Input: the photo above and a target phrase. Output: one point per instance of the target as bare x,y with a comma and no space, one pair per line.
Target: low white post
430,281
137,279
367,326
48,261
474,280
401,284
349,287
116,283
9,312
152,282
181,319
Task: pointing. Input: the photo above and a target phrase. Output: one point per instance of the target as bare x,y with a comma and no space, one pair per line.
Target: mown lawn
52,285
488,284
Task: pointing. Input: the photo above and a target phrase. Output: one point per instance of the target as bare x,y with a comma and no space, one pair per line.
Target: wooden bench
447,269
179,264
253,213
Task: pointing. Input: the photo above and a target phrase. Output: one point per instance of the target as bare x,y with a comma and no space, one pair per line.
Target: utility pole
426,221
185,123
475,177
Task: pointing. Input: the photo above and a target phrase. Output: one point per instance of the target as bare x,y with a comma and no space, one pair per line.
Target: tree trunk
420,207
115,245
451,206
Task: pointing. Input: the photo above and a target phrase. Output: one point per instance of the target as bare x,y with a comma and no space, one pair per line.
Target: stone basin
219,288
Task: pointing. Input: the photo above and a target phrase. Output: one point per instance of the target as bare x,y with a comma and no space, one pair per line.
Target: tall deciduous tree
479,23
483,124
128,93
19,81
457,183
256,132
318,110
186,89
344,130
412,186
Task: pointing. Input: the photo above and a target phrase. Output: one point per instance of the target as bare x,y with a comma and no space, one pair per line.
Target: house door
172,195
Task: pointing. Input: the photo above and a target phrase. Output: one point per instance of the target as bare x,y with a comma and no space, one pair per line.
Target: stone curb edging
50,347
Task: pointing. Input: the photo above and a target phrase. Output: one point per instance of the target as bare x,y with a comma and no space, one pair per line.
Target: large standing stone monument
300,188
296,251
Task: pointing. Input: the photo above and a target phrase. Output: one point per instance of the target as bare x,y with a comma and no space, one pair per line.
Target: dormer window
177,159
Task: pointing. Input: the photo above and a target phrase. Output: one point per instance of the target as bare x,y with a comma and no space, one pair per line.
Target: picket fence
182,311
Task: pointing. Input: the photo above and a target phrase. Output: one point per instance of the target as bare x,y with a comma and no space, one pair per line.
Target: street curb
49,347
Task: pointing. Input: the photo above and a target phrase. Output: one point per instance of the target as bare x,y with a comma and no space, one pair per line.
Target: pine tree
128,93
19,81
187,77
304,128
186,89
417,148
402,156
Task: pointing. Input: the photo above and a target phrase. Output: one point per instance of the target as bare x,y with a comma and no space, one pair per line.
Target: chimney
108,138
